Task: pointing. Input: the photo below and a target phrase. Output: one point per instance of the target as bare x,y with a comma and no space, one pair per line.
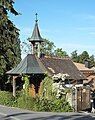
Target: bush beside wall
34,104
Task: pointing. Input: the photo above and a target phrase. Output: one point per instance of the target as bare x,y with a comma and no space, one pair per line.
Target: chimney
87,63
42,55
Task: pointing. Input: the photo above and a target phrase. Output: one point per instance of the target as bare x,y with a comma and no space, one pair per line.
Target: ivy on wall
26,84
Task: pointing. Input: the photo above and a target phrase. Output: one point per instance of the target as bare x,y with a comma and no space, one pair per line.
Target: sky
70,24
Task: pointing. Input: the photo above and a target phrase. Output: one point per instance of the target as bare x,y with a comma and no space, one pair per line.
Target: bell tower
36,39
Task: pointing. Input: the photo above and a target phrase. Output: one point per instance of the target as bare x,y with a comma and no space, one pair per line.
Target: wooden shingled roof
60,65
29,65
33,65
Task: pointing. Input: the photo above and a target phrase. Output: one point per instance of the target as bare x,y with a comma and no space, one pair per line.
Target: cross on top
36,17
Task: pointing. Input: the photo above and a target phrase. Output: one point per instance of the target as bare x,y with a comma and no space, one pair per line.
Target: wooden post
76,100
14,86
93,110
38,50
32,48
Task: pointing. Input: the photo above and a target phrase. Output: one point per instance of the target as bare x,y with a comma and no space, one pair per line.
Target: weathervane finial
36,17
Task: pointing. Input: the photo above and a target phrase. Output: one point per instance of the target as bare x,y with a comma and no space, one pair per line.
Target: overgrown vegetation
34,104
46,102
26,84
46,90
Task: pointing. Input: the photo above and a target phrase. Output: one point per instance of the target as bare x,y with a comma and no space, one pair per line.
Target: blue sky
70,24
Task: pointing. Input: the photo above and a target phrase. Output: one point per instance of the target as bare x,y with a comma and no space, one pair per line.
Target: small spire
36,37
36,17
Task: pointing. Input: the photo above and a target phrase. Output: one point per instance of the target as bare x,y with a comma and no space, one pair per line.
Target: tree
60,53
84,56
74,56
92,60
47,47
10,53
5,6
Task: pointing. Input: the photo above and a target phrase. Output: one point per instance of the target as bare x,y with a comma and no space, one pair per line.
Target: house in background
90,80
55,65
79,97
88,72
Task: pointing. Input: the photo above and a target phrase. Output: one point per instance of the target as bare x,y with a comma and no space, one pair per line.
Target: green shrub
6,98
61,105
43,104
35,104
46,89
26,102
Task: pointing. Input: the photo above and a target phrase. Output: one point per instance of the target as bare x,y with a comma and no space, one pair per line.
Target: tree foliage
10,53
74,56
47,47
81,58
92,60
84,56
60,53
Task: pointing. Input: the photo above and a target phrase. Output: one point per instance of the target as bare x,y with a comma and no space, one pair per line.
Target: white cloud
25,30
85,28
92,33
50,31
89,17
68,45
88,30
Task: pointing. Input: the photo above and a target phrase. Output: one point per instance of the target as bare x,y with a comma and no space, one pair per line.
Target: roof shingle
60,65
29,65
